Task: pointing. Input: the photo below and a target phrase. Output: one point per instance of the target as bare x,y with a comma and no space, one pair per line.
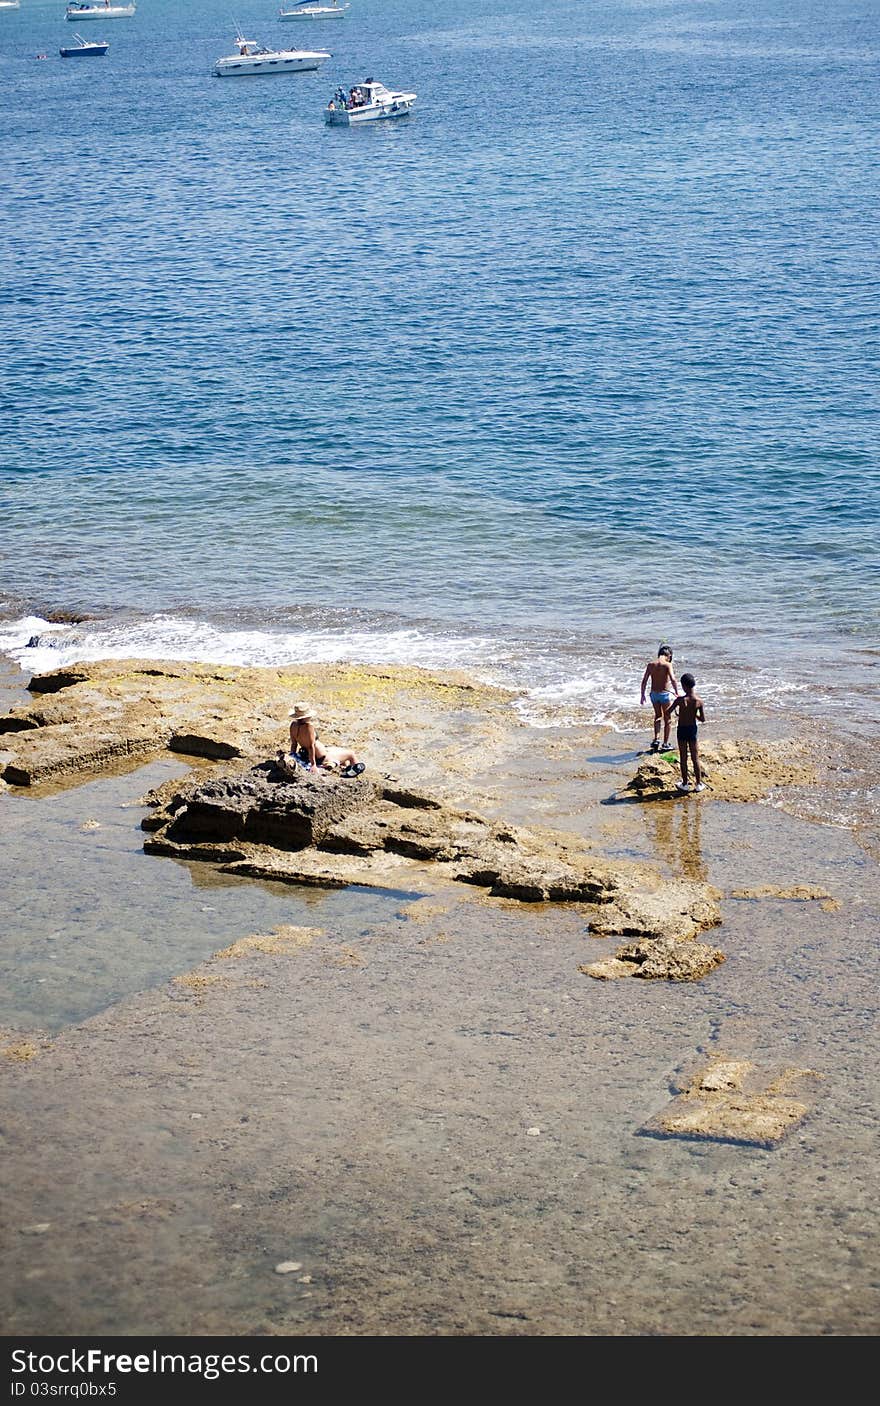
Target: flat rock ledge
726,1099
732,771
332,831
90,717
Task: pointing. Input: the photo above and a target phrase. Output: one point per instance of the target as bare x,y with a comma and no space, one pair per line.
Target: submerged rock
730,1100
65,617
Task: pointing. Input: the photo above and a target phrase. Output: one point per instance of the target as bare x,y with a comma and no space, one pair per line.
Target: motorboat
366,102
102,11
329,10
250,57
9,4
83,48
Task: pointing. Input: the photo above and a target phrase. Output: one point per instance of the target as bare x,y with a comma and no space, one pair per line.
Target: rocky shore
405,1066
380,828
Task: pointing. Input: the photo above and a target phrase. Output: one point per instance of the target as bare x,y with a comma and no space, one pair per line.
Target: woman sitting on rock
312,754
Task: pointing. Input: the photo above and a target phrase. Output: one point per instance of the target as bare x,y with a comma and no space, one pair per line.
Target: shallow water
94,920
450,1135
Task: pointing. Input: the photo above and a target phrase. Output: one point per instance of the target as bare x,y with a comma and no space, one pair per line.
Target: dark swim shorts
687,732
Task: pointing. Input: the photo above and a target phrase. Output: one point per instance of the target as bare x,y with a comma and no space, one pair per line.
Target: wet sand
429,1108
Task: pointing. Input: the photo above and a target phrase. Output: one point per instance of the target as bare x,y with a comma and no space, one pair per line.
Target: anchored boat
367,102
83,48
251,57
329,10
102,11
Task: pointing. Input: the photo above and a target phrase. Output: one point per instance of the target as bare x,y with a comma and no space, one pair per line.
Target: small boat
366,102
83,48
329,10
255,58
9,4
102,11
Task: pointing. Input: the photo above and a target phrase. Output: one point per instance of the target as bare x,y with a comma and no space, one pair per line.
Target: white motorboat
102,11
9,4
366,102
250,57
329,10
84,48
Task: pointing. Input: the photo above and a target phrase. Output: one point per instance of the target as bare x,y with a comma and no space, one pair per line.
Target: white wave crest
37,645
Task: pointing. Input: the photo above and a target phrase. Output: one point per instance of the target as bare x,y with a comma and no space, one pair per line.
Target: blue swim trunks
664,697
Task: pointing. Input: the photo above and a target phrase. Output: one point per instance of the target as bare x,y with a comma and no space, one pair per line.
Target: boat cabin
359,95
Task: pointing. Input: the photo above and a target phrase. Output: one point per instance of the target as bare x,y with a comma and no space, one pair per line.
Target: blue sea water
582,354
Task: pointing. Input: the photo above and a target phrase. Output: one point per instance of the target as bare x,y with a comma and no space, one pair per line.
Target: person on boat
306,749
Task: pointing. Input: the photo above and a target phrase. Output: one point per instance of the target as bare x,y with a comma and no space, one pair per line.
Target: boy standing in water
690,712
658,673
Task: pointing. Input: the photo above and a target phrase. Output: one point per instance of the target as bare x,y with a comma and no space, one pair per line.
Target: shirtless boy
658,673
690,712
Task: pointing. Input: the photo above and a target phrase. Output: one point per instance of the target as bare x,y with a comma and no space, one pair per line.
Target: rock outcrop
732,771
657,959
263,806
398,825
329,831
674,908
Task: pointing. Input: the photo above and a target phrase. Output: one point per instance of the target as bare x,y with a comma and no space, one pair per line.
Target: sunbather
313,754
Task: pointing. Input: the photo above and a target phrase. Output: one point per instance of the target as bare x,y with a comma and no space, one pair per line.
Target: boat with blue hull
84,48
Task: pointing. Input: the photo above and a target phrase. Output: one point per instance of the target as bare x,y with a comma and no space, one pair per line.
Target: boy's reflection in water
676,834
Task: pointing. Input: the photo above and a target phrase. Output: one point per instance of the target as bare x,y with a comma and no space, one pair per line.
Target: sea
579,358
